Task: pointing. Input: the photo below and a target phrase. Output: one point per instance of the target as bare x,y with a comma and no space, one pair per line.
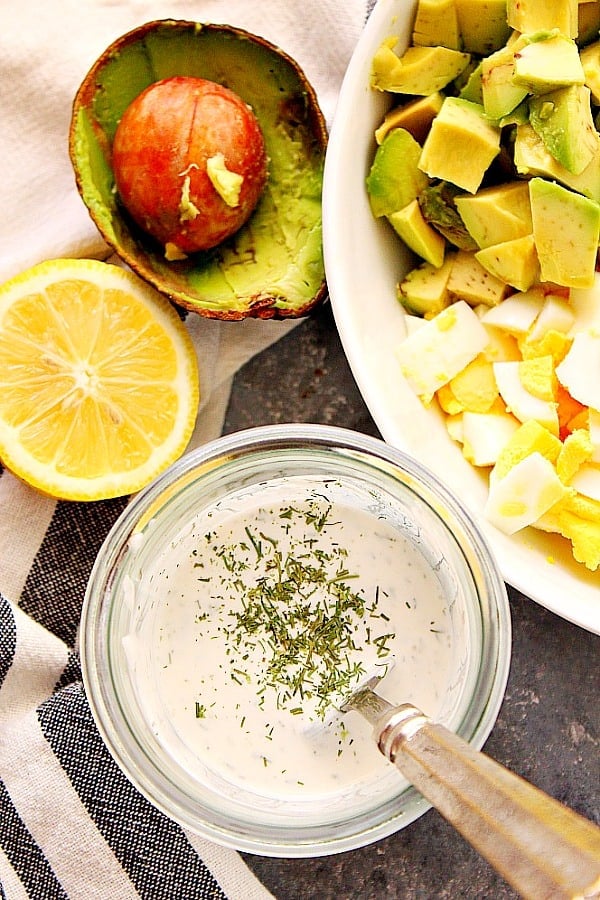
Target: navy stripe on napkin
152,849
24,855
71,672
55,587
8,637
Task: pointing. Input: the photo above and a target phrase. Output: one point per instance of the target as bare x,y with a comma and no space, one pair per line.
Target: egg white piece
579,372
485,435
516,313
519,401
524,494
556,315
502,346
432,355
585,303
454,425
413,323
594,426
586,481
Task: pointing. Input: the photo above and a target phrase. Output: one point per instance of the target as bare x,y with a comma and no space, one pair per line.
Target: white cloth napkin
46,48
70,825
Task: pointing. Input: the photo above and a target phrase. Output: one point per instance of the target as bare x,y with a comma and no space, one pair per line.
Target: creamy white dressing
234,667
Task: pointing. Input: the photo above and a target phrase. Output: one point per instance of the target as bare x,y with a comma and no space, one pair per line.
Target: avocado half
273,266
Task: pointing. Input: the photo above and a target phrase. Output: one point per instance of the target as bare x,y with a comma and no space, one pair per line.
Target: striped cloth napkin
71,825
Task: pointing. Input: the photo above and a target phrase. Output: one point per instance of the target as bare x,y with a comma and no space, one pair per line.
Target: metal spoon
543,849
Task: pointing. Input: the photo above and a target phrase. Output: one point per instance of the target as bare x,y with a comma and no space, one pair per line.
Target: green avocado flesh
273,266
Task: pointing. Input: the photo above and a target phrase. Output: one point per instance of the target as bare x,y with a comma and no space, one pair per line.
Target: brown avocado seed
189,162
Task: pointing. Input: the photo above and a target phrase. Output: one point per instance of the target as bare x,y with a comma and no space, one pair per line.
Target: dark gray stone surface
548,726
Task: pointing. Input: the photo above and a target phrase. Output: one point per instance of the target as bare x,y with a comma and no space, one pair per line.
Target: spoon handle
542,848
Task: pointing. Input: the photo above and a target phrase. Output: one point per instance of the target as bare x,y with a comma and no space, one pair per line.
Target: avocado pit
190,163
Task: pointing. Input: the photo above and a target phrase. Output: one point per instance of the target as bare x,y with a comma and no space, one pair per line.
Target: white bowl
364,261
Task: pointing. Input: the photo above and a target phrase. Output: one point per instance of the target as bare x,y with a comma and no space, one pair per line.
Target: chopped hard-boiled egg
454,425
432,355
585,303
554,343
594,428
577,518
530,437
538,377
475,386
449,403
502,346
519,384
555,315
579,372
413,323
485,434
586,481
575,451
525,493
516,313
522,402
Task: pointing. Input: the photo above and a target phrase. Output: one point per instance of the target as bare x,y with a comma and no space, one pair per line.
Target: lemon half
98,380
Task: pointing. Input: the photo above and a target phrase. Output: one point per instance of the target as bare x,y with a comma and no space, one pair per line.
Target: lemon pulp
98,380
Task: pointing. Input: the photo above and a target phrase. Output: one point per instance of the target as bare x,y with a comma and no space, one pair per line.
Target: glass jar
211,791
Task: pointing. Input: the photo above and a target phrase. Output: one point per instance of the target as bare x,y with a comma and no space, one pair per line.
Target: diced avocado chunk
496,214
563,120
532,158
424,290
534,80
543,15
436,24
547,60
483,25
590,60
456,86
460,145
415,116
472,89
395,179
471,282
417,234
566,229
518,116
420,70
500,95
514,262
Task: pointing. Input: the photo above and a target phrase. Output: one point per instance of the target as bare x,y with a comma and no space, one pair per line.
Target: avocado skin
437,202
273,266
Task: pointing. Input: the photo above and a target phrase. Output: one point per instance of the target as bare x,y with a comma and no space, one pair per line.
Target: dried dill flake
301,609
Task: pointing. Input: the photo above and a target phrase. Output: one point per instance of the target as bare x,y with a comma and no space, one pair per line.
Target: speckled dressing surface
548,729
